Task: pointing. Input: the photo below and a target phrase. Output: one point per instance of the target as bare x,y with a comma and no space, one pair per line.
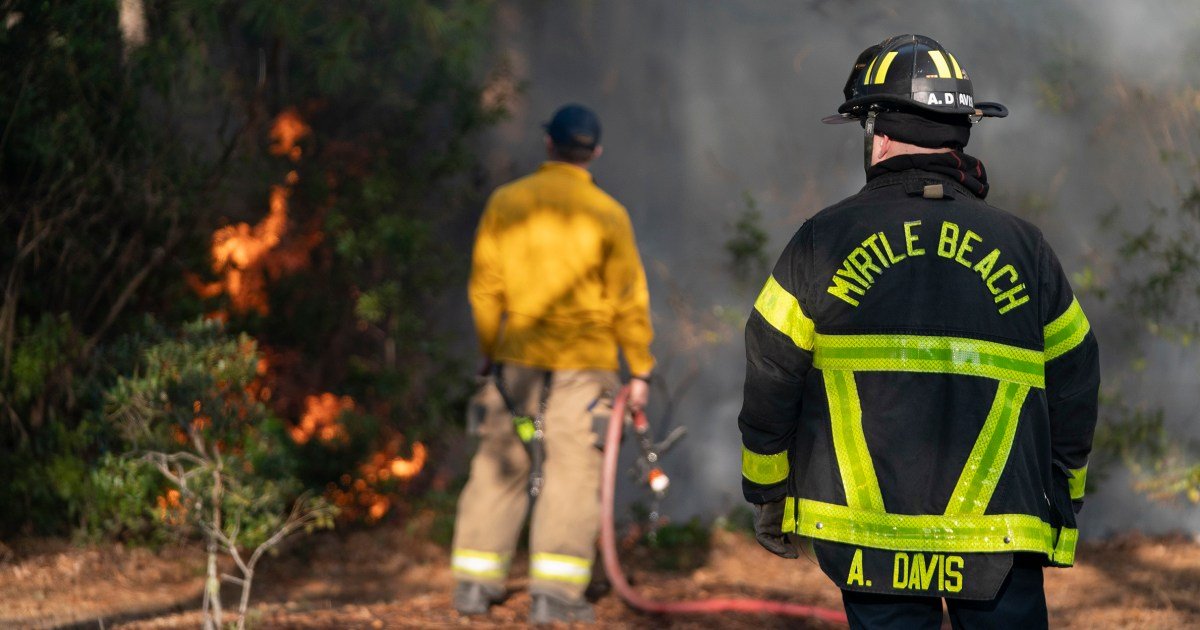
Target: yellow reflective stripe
883,67
958,73
1066,331
867,77
764,469
988,457
789,515
475,563
943,355
849,443
560,568
783,312
1064,550
940,61
1078,482
989,533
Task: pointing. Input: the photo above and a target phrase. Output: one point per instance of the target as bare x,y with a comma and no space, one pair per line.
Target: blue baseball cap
574,126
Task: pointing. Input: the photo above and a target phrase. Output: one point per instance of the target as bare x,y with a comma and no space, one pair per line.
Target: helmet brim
840,119
992,110
856,110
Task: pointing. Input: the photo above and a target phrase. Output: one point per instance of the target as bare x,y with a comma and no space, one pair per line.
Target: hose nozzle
659,481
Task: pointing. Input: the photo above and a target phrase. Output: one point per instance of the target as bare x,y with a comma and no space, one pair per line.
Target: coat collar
566,168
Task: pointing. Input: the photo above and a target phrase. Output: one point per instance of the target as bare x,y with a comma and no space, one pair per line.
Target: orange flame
408,468
362,496
243,255
170,510
288,129
320,418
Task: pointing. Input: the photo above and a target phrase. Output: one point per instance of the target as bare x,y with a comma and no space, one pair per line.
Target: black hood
959,166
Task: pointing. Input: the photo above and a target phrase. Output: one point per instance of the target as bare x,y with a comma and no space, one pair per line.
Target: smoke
705,103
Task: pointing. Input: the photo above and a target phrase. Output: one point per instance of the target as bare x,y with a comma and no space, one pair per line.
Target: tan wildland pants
566,515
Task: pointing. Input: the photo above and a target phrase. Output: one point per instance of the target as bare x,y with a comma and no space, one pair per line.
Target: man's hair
573,154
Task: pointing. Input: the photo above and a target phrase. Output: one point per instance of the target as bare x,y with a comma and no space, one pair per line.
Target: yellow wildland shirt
556,280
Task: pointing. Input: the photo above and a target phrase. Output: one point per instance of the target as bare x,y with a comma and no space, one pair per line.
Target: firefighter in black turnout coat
921,383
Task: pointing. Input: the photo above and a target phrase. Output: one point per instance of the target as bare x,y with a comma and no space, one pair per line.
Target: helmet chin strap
868,139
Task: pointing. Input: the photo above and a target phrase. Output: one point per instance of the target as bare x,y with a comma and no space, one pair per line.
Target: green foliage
96,193
1161,269
682,547
194,411
117,501
1156,284
745,246
1059,85
118,162
1165,466
193,394
740,519
99,193
36,498
199,377
39,351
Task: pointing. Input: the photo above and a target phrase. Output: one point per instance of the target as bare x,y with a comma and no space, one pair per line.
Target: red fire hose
612,565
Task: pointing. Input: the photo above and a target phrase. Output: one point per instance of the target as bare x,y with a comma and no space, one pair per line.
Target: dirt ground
392,577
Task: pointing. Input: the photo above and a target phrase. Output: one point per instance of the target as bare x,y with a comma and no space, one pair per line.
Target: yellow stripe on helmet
867,77
939,60
958,73
881,74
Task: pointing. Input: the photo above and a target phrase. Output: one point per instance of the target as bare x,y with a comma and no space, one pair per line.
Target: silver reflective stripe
560,568
479,563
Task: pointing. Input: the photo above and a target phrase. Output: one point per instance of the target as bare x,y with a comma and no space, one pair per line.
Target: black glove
768,530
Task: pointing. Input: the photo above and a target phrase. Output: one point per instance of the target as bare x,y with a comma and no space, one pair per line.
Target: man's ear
598,152
885,147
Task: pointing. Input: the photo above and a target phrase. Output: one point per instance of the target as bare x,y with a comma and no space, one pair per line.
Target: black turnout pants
1021,603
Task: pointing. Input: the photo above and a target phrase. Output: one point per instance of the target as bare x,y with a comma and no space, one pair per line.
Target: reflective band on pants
560,568
484,564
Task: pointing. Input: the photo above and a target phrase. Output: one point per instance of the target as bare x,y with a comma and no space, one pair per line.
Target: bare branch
174,235
198,442
166,472
297,518
174,458
233,578
229,544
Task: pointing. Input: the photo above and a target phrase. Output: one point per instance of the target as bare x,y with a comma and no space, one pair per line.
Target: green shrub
120,161
670,546
119,501
740,520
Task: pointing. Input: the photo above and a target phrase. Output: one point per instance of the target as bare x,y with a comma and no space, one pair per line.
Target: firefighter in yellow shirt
556,288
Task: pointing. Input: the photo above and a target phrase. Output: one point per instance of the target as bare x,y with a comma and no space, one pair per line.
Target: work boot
597,588
473,598
547,609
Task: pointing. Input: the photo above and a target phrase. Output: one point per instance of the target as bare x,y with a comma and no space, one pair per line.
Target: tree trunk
214,577
247,578
212,589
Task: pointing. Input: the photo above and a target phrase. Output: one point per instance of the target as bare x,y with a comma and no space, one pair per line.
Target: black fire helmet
910,73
